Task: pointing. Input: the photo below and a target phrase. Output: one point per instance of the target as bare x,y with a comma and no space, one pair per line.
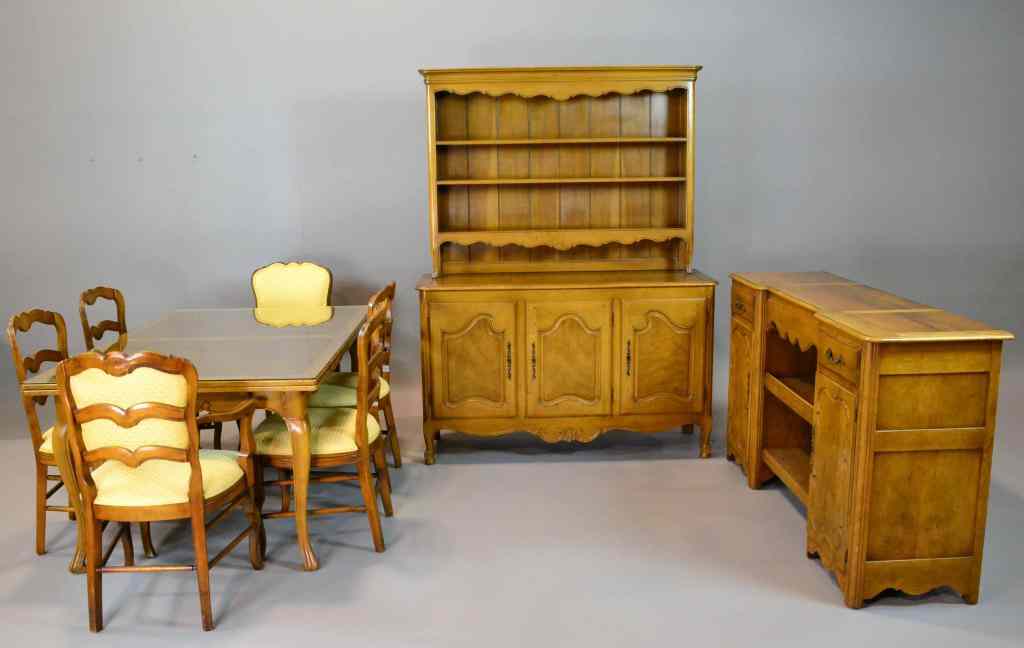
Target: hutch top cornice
560,82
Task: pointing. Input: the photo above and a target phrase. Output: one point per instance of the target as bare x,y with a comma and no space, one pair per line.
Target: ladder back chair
339,389
340,437
134,443
42,441
291,285
94,333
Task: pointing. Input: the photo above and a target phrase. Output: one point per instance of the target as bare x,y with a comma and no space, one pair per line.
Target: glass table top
246,345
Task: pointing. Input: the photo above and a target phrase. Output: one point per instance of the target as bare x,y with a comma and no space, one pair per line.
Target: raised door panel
569,350
740,348
663,351
831,482
472,351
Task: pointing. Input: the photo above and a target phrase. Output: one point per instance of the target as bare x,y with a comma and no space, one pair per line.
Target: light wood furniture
134,442
280,286
878,413
340,389
42,442
276,355
93,334
340,437
534,176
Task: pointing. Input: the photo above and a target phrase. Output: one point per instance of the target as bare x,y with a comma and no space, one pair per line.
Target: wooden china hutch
562,299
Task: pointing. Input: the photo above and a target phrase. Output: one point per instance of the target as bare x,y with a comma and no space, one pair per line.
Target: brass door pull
533,359
629,356
739,306
833,358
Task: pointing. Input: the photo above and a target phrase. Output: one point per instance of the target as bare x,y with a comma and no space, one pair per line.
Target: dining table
277,355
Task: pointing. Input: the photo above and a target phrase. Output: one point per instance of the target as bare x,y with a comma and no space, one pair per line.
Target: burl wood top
564,280
869,313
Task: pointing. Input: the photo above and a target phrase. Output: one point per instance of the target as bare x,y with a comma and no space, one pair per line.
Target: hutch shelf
878,414
562,299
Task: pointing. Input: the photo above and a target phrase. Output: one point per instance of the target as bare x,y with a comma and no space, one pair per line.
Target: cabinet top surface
869,313
559,280
554,70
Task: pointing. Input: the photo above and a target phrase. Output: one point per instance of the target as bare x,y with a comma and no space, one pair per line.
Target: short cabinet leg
687,429
430,444
705,438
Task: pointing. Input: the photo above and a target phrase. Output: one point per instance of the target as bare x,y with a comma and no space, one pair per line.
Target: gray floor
630,540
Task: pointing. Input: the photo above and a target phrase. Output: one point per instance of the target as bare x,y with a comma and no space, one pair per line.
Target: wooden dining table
279,355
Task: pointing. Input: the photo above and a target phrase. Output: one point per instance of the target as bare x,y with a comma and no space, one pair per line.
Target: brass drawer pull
533,359
629,356
833,358
508,360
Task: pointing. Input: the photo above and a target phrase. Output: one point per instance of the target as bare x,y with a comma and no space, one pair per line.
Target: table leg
293,408
67,475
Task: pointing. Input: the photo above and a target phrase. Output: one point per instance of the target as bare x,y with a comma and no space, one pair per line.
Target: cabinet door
740,348
569,347
472,357
662,349
831,481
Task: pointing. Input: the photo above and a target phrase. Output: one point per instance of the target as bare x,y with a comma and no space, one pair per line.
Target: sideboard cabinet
878,413
562,299
566,357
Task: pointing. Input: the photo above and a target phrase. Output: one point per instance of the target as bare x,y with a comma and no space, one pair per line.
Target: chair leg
202,565
286,498
41,487
147,540
126,544
389,416
260,496
370,500
383,479
94,579
254,514
218,428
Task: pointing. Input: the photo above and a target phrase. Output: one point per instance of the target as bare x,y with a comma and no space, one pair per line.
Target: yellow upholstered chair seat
46,447
159,482
331,431
291,284
339,390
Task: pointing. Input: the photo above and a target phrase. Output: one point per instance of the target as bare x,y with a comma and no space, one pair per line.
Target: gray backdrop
170,148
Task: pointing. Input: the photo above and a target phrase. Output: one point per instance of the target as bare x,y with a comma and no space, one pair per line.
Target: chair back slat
137,457
131,416
93,334
292,284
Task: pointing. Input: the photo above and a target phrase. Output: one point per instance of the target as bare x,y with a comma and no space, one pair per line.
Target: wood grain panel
932,401
935,358
513,162
452,202
483,163
933,495
569,346
544,164
605,162
636,161
574,162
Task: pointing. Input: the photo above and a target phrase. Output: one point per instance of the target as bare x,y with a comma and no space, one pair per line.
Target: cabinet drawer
742,301
839,354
